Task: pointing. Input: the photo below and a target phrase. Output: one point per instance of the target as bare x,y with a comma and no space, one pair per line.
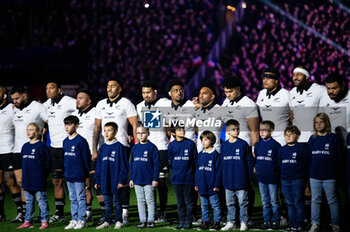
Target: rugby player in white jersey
26,111
58,106
159,138
7,133
273,103
118,109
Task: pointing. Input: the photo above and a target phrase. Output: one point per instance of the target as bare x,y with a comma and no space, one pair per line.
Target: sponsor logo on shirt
186,152
33,151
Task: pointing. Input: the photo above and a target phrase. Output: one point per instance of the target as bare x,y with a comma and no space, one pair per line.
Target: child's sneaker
265,226
142,225
25,225
150,225
215,226
228,226
244,226
71,225
204,226
103,225
275,226
118,225
44,225
314,228
80,225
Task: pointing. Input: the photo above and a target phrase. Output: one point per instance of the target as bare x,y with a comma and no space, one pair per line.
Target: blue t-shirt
182,157
267,169
144,164
36,164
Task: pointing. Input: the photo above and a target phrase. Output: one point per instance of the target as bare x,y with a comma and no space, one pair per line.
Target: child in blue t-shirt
35,156
183,154
237,175
325,150
207,180
294,162
144,173
111,174
268,175
77,158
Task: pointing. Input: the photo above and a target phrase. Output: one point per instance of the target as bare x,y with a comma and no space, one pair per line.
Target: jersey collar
57,100
181,103
25,105
81,112
3,106
114,101
208,107
152,103
237,99
273,93
305,88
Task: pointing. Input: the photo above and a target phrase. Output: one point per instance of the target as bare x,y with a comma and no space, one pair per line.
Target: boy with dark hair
111,174
294,164
76,170
207,180
237,174
268,175
182,157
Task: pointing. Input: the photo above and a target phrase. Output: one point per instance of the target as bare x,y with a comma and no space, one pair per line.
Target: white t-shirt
57,112
338,113
305,106
275,108
34,112
183,112
213,116
241,110
86,124
157,136
7,130
119,111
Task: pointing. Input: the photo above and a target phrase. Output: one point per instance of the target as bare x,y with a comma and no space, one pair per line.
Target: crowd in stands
268,38
126,39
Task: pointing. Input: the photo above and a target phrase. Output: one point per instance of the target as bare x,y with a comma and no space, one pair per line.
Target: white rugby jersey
32,112
157,136
57,111
7,130
117,111
338,112
305,106
86,123
182,112
210,114
241,109
275,107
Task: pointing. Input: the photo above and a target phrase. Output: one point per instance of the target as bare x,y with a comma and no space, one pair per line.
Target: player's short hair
232,122
55,81
87,92
268,123
18,89
37,129
149,84
211,87
113,125
209,135
231,82
274,71
335,77
117,80
71,119
292,129
325,119
174,82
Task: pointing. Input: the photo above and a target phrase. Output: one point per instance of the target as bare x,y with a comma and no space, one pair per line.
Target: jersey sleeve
43,112
251,110
130,109
98,113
